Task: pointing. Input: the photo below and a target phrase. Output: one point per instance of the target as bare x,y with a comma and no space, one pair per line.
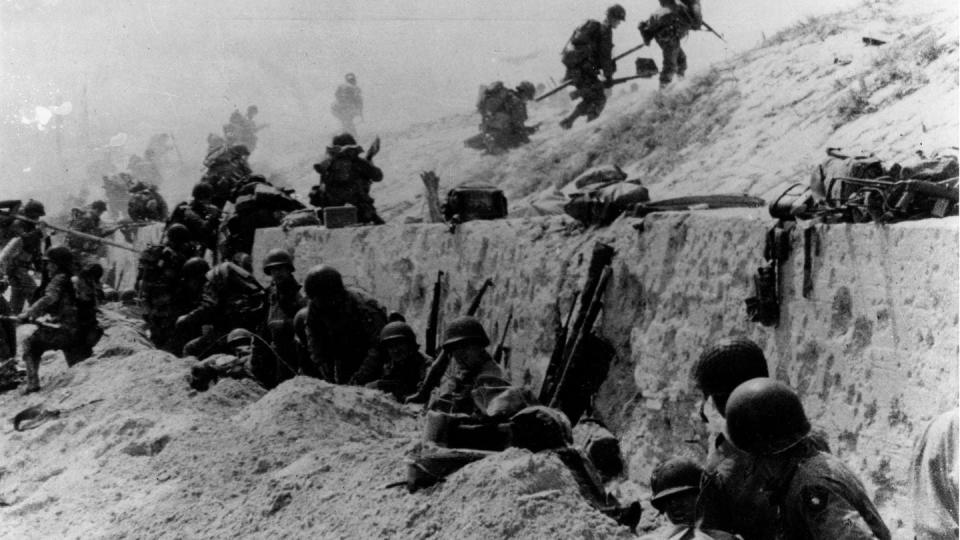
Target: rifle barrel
78,234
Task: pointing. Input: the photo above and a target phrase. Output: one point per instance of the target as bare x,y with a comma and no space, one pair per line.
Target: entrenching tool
32,417
565,84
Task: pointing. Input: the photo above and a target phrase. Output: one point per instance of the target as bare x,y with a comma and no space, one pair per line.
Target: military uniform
146,204
89,293
731,495
226,169
284,300
158,281
589,53
59,301
399,379
503,118
345,178
8,330
231,298
342,338
19,256
454,393
202,219
348,104
241,130
86,220
668,26
825,500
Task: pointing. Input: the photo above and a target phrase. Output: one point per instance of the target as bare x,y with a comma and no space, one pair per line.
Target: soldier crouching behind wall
61,331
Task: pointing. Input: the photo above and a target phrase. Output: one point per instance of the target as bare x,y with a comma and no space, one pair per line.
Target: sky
140,67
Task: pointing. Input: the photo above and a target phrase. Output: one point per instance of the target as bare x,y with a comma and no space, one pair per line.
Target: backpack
824,181
492,99
152,265
937,168
600,204
478,201
579,48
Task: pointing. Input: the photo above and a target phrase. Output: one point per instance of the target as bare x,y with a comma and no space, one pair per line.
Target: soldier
342,327
669,25
8,331
248,361
60,331
588,53
503,116
257,205
675,484
231,298
345,178
242,130
399,367
472,368
87,220
89,291
158,281
22,254
348,104
814,495
200,216
117,188
186,297
729,500
146,169
146,204
226,169
284,300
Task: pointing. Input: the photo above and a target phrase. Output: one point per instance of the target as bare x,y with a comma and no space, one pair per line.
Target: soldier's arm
51,295
370,171
206,310
11,251
828,515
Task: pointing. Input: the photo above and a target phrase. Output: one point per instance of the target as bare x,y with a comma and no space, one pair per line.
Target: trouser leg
22,287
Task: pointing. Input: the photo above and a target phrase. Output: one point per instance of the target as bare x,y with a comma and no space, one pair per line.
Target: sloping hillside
754,124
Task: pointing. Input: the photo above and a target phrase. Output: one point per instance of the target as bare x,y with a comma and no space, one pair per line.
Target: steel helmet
351,78
617,12
239,336
397,331
765,416
724,366
99,206
277,257
194,268
202,191
34,209
526,89
60,256
344,139
465,329
178,233
672,477
322,280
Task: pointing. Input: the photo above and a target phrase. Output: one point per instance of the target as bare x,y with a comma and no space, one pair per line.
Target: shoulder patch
815,498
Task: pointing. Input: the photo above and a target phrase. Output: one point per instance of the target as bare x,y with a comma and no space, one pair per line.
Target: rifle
613,82
430,347
565,84
78,234
590,317
710,28
439,367
567,339
18,320
501,352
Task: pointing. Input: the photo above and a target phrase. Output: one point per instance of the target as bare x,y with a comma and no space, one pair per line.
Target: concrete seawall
872,347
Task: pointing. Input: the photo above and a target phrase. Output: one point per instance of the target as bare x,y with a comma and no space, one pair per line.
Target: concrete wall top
871,344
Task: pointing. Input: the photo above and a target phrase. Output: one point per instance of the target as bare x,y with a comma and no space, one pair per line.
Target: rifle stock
430,342
596,304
